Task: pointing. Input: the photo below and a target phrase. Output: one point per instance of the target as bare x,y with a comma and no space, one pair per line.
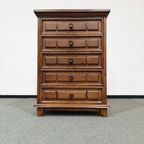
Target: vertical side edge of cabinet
39,72
104,75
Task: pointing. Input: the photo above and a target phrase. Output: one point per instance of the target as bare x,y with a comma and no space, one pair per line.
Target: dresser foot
40,111
104,112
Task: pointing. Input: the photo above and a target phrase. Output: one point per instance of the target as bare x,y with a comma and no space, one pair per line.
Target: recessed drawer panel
49,26
72,25
93,43
50,43
49,77
68,94
78,60
94,25
94,94
64,77
50,60
94,77
93,60
49,94
71,43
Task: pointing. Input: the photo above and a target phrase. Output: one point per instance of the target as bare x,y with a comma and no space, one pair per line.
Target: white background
18,44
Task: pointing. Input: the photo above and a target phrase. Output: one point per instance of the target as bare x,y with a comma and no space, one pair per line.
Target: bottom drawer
82,94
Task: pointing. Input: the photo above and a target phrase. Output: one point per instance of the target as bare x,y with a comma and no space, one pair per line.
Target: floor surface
19,124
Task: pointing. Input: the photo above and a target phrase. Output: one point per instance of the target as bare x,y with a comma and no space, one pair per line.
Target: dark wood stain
72,60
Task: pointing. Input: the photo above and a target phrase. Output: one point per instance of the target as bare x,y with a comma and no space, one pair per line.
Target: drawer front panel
71,77
72,25
94,94
71,43
49,94
81,94
72,61
55,77
75,94
94,77
79,60
49,77
62,26
93,60
50,44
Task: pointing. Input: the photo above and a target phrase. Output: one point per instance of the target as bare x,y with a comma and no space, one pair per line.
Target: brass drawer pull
71,78
70,61
71,43
71,26
71,96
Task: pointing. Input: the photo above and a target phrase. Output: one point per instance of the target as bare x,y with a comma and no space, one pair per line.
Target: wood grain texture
72,60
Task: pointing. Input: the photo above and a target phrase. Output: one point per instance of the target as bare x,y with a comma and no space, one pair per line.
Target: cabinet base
101,109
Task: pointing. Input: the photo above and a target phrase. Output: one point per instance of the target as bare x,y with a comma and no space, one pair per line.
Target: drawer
72,60
75,94
72,25
53,77
90,44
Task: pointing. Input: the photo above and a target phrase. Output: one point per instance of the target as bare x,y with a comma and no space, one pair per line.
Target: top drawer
72,26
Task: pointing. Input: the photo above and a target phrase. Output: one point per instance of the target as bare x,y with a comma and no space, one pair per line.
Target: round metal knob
71,26
70,43
70,61
71,96
71,78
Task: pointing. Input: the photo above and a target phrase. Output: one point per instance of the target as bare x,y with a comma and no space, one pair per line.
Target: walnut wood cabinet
72,60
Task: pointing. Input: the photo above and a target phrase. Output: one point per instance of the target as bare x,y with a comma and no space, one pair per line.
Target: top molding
48,12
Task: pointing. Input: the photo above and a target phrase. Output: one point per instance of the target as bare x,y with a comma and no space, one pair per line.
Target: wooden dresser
72,60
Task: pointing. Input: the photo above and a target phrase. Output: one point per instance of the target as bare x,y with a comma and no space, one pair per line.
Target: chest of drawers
72,60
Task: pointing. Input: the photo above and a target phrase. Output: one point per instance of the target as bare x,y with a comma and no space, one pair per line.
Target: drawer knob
71,78
71,96
70,61
70,43
71,26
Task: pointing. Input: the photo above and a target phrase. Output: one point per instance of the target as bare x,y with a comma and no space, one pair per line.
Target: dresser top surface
72,10
41,12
